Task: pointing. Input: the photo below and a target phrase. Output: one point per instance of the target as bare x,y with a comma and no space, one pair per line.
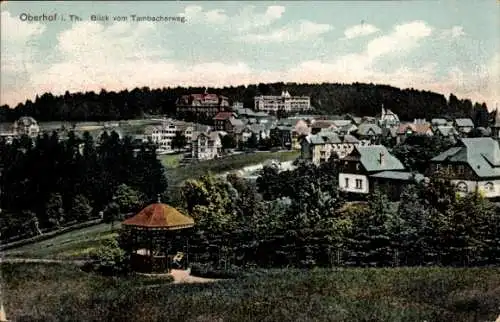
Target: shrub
109,258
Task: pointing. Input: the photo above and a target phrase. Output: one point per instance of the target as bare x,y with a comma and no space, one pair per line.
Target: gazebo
157,238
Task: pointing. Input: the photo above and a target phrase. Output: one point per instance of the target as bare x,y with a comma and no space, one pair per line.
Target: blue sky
444,46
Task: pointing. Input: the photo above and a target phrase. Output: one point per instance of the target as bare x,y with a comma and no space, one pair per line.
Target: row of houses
472,165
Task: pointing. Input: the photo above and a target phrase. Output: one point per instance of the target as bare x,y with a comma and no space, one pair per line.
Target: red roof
417,128
221,116
160,215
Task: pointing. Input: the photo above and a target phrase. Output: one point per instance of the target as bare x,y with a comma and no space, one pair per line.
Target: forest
331,99
300,219
50,183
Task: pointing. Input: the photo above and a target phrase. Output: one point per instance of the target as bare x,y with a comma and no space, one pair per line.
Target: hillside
55,292
327,98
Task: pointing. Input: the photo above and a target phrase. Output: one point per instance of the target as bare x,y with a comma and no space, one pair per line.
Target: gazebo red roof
161,216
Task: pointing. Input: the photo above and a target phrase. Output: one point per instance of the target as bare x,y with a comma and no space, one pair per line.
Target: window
461,169
359,184
462,187
438,167
358,166
347,182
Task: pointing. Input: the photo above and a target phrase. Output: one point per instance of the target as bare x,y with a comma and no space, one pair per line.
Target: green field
170,161
71,245
42,292
234,162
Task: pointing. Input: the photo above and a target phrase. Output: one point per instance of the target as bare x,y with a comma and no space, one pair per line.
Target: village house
163,135
202,105
299,130
356,120
388,118
320,125
446,131
26,125
206,146
473,164
287,103
418,127
367,167
283,134
227,121
369,132
318,148
440,122
463,125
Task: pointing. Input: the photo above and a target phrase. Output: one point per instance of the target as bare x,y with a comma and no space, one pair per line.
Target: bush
109,259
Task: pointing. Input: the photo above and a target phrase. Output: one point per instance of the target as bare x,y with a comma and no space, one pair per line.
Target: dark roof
481,154
447,130
464,122
367,128
370,158
223,116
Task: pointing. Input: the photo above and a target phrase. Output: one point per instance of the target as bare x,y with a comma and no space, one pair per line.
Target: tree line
299,218
48,183
327,98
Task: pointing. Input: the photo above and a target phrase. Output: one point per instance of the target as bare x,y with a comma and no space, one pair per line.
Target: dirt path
180,276
183,277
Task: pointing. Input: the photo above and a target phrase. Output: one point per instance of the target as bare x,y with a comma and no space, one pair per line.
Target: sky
450,46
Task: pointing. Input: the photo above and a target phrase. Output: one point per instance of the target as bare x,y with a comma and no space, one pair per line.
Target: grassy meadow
55,292
233,162
77,244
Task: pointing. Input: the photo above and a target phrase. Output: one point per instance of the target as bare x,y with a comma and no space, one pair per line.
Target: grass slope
38,292
233,162
72,245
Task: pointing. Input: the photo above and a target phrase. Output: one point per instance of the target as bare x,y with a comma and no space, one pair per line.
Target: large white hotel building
273,103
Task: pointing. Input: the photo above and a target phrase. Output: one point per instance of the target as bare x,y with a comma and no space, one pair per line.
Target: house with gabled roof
319,125
408,129
368,167
206,146
318,148
368,131
221,119
440,122
463,125
446,131
473,164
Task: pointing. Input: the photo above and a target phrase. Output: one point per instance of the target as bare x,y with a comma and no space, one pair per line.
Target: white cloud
305,30
92,56
453,32
403,38
247,19
359,31
17,42
196,15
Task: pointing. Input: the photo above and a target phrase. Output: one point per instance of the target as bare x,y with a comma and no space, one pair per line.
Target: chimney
381,158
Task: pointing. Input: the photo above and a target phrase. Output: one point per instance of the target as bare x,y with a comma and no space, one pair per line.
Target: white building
388,118
472,165
285,102
26,125
206,146
163,134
